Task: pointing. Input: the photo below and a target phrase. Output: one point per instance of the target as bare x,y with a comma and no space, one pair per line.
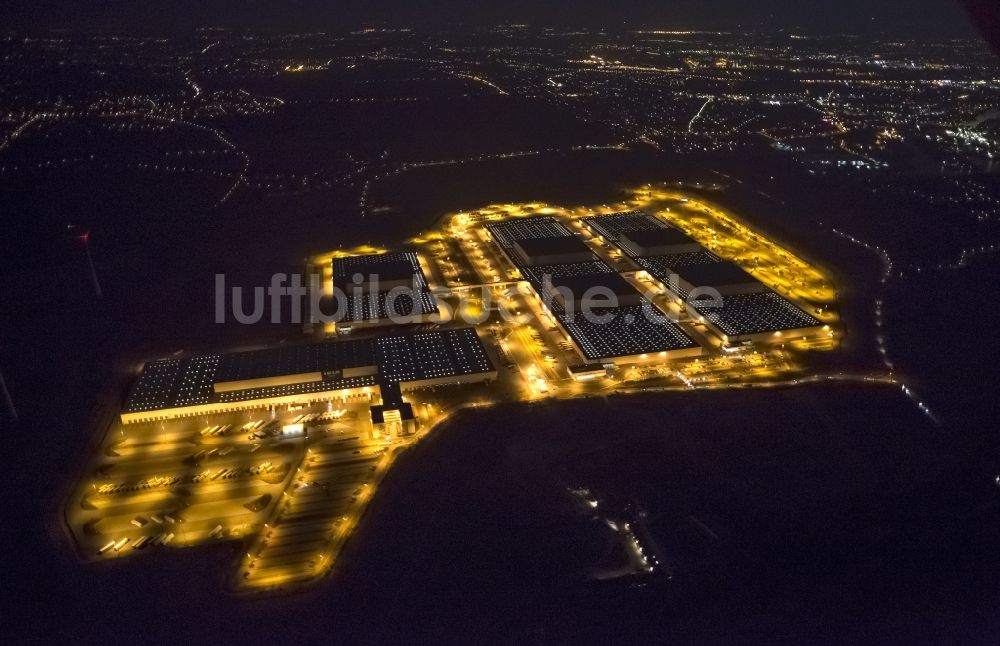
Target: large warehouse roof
612,225
652,238
389,271
390,268
580,286
554,245
662,266
508,232
174,383
377,263
431,355
716,273
633,330
551,250
635,327
755,313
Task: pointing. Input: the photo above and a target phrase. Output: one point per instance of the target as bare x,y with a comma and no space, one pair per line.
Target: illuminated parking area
282,444
186,482
316,512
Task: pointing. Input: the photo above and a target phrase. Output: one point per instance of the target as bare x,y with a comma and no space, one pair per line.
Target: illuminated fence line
883,348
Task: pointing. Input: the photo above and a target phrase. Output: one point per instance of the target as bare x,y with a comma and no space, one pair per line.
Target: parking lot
195,480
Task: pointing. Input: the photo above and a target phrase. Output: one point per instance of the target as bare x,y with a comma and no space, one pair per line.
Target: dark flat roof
398,264
560,270
579,285
371,307
715,274
613,225
659,266
293,359
431,355
557,245
392,270
388,267
657,237
509,231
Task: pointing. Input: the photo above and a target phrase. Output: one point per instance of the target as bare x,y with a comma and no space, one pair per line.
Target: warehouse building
759,317
551,251
569,292
307,372
725,277
657,242
379,289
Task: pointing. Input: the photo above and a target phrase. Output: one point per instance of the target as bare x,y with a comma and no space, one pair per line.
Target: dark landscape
816,513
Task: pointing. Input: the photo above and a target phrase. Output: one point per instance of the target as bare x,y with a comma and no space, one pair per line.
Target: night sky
929,18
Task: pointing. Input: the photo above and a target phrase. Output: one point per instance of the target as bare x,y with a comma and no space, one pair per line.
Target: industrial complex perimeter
282,448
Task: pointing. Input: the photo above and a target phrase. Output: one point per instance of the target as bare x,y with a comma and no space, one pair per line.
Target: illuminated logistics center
750,311
283,447
619,333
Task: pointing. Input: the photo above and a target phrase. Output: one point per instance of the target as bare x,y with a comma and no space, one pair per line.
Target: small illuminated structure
393,417
293,430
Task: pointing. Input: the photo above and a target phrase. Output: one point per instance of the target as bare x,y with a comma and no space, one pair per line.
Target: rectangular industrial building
378,276
606,288
628,334
611,226
552,250
724,277
379,289
312,371
657,242
507,232
759,316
